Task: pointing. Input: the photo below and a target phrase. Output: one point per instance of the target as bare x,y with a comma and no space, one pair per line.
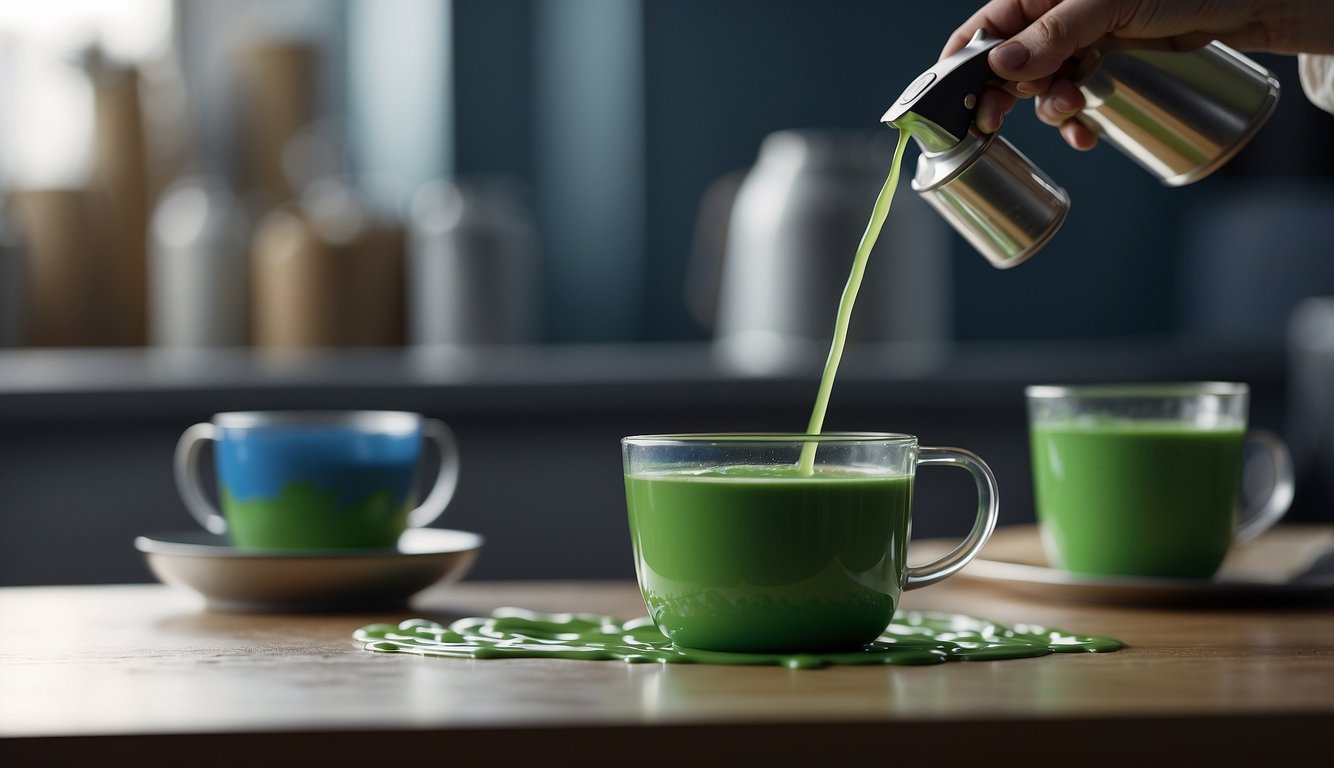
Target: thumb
1045,44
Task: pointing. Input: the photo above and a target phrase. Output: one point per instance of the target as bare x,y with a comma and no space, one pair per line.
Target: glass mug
737,549
1144,480
316,480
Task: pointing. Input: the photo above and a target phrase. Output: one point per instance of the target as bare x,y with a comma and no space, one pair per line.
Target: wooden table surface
140,674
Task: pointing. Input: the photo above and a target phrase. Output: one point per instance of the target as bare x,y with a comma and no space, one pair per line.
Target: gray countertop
40,384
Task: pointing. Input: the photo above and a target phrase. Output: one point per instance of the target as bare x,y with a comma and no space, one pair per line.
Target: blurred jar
328,272
198,267
473,270
13,283
121,197
276,89
791,235
65,274
292,284
1310,400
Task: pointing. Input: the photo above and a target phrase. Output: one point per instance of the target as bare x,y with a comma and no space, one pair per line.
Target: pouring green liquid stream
881,210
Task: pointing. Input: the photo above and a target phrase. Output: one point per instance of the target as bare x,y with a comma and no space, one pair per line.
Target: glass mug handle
988,507
186,466
1259,517
446,479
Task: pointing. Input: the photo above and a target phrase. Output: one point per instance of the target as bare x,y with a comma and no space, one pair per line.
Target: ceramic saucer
232,579
1290,563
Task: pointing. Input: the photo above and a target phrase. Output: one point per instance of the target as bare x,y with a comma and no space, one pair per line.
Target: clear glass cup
1145,480
757,543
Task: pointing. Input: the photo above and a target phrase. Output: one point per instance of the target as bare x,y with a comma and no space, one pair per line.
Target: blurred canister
473,270
366,242
327,273
66,275
13,283
293,284
276,91
120,186
792,234
198,267
1310,398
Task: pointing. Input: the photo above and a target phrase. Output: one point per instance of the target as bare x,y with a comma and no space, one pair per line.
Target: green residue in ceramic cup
914,637
306,517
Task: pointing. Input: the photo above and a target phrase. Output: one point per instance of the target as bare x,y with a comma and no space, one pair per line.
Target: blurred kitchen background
556,222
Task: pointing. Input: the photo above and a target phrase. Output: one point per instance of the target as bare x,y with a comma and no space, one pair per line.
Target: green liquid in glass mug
1138,499
1145,480
742,559
742,547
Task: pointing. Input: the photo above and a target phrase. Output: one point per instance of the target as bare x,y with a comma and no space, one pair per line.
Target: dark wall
721,74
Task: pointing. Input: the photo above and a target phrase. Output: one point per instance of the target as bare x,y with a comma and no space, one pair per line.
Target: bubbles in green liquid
914,637
741,472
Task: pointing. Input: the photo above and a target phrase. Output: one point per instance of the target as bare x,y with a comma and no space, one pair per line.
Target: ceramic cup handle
446,479
1260,516
988,507
186,466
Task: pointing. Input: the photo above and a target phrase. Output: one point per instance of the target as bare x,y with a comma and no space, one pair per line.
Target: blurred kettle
793,226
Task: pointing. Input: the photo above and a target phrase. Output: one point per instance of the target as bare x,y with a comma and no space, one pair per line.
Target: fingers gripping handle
988,507
1259,517
447,477
186,466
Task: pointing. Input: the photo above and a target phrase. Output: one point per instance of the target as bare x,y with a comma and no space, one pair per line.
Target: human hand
1047,37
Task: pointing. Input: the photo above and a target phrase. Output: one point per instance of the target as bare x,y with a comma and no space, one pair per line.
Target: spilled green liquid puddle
914,637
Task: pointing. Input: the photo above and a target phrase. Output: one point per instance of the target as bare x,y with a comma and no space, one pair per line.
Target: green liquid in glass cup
738,548
1145,480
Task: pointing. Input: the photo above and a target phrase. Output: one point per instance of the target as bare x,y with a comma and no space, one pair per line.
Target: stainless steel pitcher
1179,114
